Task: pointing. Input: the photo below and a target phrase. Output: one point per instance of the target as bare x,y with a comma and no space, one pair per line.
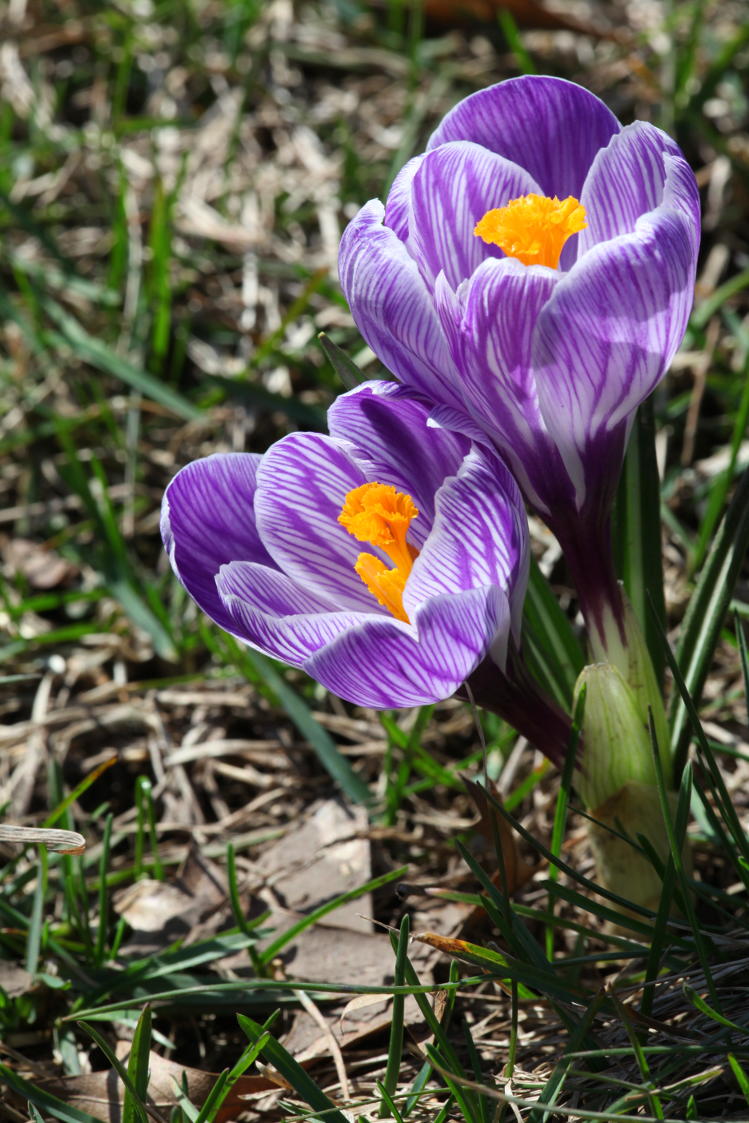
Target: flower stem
588,551
516,697
615,635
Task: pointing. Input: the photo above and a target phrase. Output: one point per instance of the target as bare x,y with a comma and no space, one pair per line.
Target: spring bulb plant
388,559
527,282
530,276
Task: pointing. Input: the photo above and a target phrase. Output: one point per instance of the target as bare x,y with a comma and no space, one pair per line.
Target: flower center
533,228
378,514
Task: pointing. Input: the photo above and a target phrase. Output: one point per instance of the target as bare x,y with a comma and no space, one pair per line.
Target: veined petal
398,205
302,484
490,325
628,179
680,193
479,538
277,615
451,190
608,333
269,590
459,421
394,444
207,519
550,127
383,663
392,305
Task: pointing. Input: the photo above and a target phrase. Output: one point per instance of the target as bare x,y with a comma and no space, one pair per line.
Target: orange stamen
378,514
533,228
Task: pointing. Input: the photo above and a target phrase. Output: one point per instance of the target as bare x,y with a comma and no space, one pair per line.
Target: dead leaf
187,906
59,842
102,1093
449,945
41,567
328,855
360,1002
15,980
339,955
152,906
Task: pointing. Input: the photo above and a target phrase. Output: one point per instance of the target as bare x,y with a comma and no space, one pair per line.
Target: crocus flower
387,559
531,275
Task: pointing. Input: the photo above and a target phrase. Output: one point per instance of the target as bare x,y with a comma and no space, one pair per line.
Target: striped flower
530,277
387,559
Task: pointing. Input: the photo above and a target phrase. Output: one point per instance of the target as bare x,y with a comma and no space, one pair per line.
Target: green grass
171,185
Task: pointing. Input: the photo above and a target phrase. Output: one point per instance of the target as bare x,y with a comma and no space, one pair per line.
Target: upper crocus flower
531,275
387,559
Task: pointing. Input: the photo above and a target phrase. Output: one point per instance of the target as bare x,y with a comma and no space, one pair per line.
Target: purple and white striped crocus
387,559
531,276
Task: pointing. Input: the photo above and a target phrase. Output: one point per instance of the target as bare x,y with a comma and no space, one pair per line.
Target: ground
174,182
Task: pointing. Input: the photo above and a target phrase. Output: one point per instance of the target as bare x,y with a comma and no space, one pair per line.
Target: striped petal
606,337
277,615
398,205
394,444
392,305
629,178
207,520
479,538
386,663
302,484
490,326
550,127
451,190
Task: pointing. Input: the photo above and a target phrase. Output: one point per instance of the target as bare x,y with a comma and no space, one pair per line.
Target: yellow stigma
378,514
534,228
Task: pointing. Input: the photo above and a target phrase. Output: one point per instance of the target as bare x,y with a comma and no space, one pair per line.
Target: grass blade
707,609
101,357
36,921
395,1044
271,951
48,1103
229,1077
637,534
720,488
345,367
138,1113
741,1078
551,648
303,1084
133,1107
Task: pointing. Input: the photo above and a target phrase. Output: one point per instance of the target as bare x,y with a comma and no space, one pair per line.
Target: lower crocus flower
388,559
531,276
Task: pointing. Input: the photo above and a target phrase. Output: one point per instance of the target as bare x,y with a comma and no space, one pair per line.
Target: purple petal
628,179
479,539
681,193
548,126
395,445
398,205
608,334
386,663
452,189
207,520
459,421
302,484
490,326
392,306
279,616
